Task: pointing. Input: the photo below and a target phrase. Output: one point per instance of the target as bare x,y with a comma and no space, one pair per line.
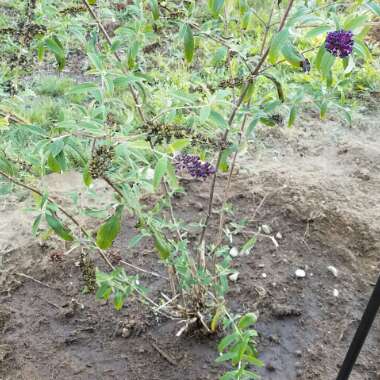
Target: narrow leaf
160,171
292,116
108,232
278,41
188,41
155,9
247,320
57,226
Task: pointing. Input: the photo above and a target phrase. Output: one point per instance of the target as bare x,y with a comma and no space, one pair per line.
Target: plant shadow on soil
317,188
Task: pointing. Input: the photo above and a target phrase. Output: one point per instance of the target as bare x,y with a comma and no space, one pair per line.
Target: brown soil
317,185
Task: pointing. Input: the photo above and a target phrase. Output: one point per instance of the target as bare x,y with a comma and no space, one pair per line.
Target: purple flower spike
193,165
340,43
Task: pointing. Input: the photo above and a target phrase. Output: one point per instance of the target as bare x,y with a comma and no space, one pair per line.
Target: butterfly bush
340,43
193,165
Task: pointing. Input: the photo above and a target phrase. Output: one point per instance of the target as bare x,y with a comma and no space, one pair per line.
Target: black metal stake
361,333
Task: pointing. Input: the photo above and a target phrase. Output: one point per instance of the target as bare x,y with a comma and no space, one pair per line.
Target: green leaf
57,226
223,165
375,8
56,147
323,110
54,45
60,158
252,360
231,375
279,40
7,167
227,356
155,9
252,125
172,178
218,119
318,59
82,88
349,64
178,145
327,63
96,60
291,54
188,40
87,177
227,340
355,22
108,231
104,291
247,320
362,50
160,171
161,244
318,31
204,114
292,115
245,21
36,224
40,52
118,300
248,245
220,56
216,6
132,54
53,164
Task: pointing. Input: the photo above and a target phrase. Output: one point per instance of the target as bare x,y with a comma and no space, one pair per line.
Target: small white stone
279,235
149,174
300,273
234,276
266,229
234,252
264,275
333,270
336,293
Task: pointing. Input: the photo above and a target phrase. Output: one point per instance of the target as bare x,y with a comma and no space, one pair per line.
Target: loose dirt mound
316,187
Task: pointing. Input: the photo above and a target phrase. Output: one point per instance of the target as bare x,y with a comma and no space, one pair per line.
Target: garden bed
317,189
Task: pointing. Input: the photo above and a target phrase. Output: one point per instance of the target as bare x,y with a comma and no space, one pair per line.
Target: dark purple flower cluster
340,43
193,165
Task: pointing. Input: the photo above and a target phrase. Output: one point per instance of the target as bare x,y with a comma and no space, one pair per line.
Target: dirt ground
316,187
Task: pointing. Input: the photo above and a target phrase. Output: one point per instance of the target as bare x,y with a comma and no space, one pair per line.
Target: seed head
101,161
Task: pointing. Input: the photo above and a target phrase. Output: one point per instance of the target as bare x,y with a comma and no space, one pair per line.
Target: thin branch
33,279
114,187
227,188
14,118
230,122
60,208
222,42
258,16
172,216
164,354
267,27
142,270
319,8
